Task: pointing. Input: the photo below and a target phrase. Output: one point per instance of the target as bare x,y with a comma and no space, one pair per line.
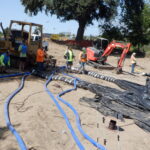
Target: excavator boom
112,46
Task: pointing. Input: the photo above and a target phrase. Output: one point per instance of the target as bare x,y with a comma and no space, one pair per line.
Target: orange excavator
98,57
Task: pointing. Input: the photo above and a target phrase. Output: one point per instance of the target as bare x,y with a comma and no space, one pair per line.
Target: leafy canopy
133,20
83,11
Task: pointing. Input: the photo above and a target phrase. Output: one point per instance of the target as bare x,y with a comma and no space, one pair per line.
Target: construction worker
40,59
69,56
82,60
23,55
133,62
4,61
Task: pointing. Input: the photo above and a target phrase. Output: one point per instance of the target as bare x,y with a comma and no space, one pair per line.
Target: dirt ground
37,119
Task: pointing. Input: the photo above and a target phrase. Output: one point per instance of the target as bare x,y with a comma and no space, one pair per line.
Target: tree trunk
80,31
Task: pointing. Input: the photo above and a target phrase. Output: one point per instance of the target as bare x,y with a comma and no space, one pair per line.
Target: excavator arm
109,50
123,55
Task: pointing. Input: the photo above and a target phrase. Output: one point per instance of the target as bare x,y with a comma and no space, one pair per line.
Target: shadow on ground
4,132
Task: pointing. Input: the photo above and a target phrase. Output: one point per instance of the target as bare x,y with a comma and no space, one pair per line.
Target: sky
13,10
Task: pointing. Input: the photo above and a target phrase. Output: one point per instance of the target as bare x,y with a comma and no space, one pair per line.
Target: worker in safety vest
69,56
23,55
133,62
4,61
82,60
40,55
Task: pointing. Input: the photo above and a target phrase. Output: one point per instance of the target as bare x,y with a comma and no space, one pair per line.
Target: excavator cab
96,51
100,43
100,56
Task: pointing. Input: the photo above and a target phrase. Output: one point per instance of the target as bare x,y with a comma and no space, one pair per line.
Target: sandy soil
39,122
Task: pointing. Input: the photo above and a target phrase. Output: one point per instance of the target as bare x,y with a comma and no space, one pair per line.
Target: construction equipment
98,57
14,37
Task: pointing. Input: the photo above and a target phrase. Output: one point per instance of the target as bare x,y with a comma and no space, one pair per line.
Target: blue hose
16,74
7,118
78,118
63,114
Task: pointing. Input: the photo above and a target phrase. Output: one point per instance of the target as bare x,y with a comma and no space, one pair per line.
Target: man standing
69,56
4,61
133,62
82,60
23,55
40,59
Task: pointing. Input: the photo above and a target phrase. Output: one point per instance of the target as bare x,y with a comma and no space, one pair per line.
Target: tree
146,22
83,11
133,21
111,32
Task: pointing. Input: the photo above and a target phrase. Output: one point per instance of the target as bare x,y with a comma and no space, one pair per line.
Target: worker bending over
69,56
82,60
4,61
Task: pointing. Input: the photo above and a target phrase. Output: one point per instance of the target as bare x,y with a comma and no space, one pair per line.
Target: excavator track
100,66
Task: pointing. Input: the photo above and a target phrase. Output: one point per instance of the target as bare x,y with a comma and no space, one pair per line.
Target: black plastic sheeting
146,74
133,102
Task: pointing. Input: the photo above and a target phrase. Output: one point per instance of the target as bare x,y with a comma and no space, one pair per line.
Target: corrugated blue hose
80,146
6,111
77,116
14,75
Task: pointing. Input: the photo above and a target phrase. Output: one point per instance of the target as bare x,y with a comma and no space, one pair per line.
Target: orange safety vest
40,55
83,59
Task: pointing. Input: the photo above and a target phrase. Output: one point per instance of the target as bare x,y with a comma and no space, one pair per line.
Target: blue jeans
82,66
132,67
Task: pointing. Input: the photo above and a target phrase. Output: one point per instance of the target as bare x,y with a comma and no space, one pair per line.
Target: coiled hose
77,115
6,112
63,114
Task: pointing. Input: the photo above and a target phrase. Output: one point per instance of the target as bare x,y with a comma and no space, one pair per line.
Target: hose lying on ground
63,114
77,115
6,112
14,75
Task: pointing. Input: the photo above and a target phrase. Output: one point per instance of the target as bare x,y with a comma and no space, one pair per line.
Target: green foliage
133,20
146,22
112,33
83,11
136,24
32,7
